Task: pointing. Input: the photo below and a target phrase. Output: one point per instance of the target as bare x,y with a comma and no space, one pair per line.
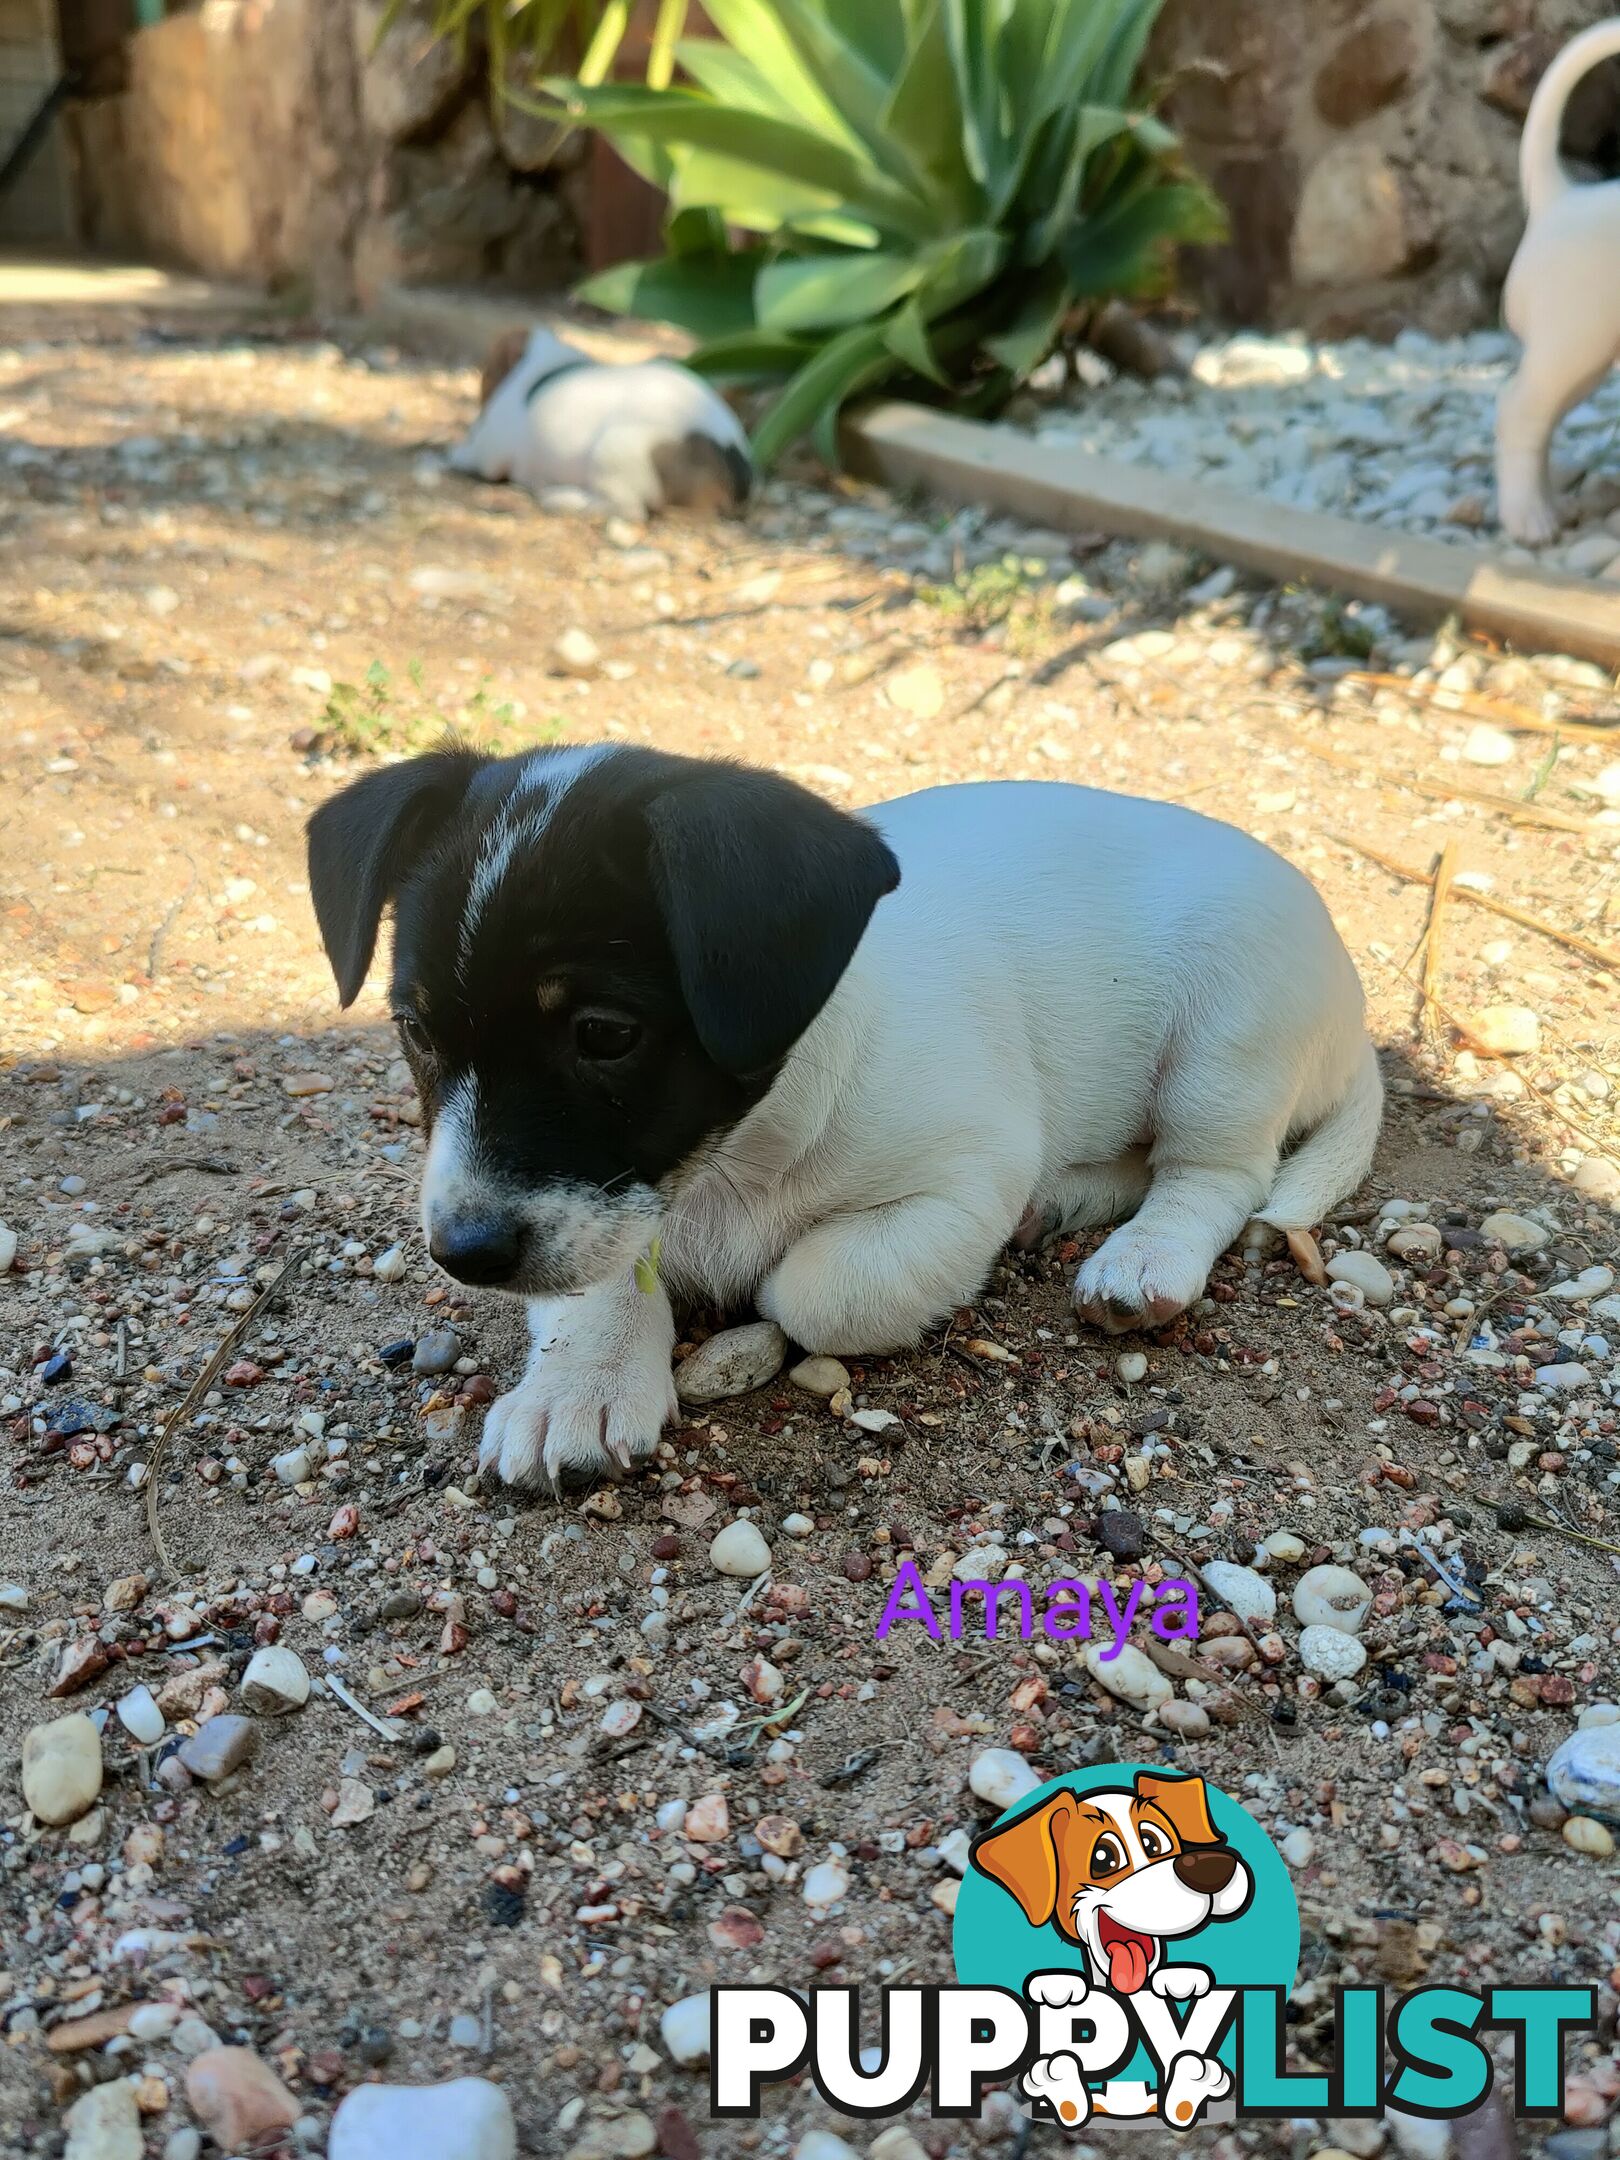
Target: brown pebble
677,2140
666,1547
736,1928
238,2099
89,2032
858,1566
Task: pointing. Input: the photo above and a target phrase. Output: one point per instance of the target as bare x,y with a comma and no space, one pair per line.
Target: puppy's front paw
1193,2082
1057,1990
1057,2080
573,1419
1180,1983
1136,1279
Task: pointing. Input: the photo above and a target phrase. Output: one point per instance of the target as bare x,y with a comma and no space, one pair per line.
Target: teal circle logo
1116,1898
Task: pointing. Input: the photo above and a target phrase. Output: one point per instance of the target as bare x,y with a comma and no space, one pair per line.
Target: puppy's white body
1562,298
1077,1007
561,420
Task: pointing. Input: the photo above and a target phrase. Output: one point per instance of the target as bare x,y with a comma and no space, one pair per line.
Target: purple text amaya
1065,1611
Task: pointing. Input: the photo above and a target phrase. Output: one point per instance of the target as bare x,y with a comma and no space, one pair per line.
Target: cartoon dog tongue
1128,1953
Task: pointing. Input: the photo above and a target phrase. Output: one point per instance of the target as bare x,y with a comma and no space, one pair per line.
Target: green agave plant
528,33
869,189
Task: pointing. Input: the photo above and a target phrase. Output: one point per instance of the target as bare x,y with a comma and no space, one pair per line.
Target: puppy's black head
601,959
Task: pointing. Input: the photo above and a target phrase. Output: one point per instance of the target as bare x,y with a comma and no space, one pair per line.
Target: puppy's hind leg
623,472
1218,1121
1158,1263
875,1279
1085,1196
1553,376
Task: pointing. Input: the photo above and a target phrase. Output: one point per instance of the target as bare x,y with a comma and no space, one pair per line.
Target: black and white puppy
634,438
830,1063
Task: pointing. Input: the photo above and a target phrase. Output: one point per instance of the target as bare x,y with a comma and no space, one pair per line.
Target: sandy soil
230,571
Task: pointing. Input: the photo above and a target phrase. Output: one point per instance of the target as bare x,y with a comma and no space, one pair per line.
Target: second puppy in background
632,439
1562,299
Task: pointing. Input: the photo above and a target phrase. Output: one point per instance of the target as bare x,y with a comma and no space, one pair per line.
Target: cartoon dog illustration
1121,1872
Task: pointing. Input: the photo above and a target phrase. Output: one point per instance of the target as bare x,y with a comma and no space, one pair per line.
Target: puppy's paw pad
1057,1990
1193,2082
1137,1281
1057,2080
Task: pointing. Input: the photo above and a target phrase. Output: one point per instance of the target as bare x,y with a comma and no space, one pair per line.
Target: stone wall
278,143
1367,149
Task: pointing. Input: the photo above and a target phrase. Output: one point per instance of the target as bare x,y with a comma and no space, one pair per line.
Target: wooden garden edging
1051,484
1065,489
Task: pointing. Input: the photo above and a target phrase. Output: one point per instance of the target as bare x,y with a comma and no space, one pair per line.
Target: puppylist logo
1125,1943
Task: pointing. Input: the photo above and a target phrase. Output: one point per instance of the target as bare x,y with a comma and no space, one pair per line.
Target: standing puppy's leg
874,1280
597,1390
1550,381
1568,319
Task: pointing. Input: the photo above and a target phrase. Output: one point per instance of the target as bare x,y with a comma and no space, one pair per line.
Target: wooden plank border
1055,485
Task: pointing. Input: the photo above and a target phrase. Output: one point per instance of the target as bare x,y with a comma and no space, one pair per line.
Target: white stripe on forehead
548,775
1117,1807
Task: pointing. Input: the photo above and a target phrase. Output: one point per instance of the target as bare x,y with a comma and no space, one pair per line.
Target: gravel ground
1400,435
232,570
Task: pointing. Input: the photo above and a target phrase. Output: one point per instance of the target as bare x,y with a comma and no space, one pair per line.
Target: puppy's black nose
1206,1871
477,1248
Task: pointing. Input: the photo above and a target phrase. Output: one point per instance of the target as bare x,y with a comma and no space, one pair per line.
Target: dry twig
1472,704
1604,955
1544,1096
194,1395
1508,806
1445,869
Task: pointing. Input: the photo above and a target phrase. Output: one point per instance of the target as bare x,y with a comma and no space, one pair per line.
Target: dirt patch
230,569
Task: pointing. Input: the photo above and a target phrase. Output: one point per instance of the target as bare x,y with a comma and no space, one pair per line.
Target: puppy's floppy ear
364,840
503,356
765,891
1023,1857
1185,1801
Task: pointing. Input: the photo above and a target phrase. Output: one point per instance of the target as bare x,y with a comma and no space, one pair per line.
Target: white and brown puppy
831,1063
1562,299
1123,1873
631,439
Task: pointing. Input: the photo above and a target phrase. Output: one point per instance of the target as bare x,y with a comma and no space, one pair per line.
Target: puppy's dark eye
604,1037
1107,1857
413,1034
1154,1842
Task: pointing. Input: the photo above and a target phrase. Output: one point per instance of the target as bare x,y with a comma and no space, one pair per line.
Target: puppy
1562,299
636,439
829,1064
1120,1873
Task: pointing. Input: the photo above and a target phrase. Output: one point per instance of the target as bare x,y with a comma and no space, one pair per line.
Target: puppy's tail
1331,1161
1541,172
698,473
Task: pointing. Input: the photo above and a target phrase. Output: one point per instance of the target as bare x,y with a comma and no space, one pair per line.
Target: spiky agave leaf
931,187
